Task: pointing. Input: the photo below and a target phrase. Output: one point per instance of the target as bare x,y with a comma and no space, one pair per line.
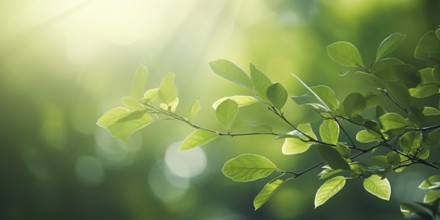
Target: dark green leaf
226,113
332,157
260,82
329,189
266,193
343,149
393,158
230,71
248,167
389,44
277,95
198,138
428,47
407,75
345,53
353,104
383,68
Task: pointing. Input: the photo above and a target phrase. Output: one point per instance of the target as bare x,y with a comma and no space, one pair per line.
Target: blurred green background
65,62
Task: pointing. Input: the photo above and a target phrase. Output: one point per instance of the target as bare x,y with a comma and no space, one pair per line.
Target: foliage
390,140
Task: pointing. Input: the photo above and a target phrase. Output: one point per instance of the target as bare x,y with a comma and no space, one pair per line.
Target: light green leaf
226,113
329,189
193,110
112,116
411,141
345,53
389,44
296,145
429,111
260,82
132,103
329,131
327,96
277,95
431,196
127,125
248,167
171,107
365,136
198,138
230,71
150,95
332,157
325,92
378,187
168,91
139,81
241,100
353,104
266,193
424,91
432,181
392,120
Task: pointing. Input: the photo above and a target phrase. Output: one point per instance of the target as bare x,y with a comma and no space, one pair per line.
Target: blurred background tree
63,63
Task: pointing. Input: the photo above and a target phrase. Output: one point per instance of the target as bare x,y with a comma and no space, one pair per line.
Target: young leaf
431,196
112,116
329,131
378,187
248,167
193,110
325,92
168,90
297,144
345,53
332,157
329,189
266,193
411,141
226,113
389,44
260,82
230,71
127,125
366,136
353,104
139,81
424,91
392,120
277,95
241,100
132,103
198,138
430,182
150,95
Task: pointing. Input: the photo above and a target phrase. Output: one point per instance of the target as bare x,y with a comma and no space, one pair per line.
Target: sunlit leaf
230,71
241,100
198,138
168,91
329,131
389,44
260,82
332,157
266,193
343,149
429,111
112,116
226,113
345,53
423,91
296,145
353,104
431,196
378,187
193,110
329,189
150,95
430,182
411,141
317,95
393,120
132,103
171,107
248,167
127,125
365,136
277,95
139,81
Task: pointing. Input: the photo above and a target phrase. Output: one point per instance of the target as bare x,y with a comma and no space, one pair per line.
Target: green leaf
437,33
314,98
332,157
127,125
139,81
383,68
329,189
345,53
329,131
389,44
260,82
193,110
393,158
150,95
343,149
327,95
328,173
424,91
430,111
226,113
407,75
378,187
277,95
266,193
296,144
353,104
392,120
365,136
230,71
171,107
369,79
112,116
198,138
399,93
132,103
411,141
430,182
409,209
241,100
248,167
168,90
428,47
431,196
